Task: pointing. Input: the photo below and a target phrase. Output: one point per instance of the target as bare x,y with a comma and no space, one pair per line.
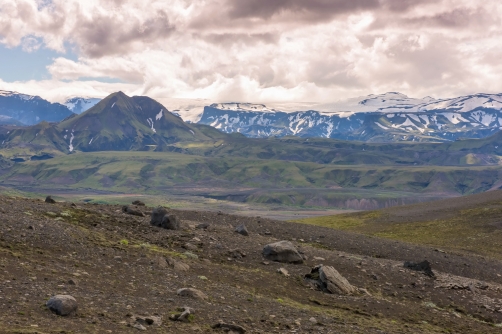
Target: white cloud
261,51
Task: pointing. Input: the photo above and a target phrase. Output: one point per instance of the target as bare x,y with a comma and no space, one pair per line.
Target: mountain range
388,117
22,109
101,148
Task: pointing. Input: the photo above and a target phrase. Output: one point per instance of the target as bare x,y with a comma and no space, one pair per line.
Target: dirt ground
117,265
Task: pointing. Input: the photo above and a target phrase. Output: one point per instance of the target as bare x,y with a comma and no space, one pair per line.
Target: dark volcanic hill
118,123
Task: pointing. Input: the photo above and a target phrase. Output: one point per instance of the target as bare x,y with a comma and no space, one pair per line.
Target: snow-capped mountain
16,109
80,104
386,117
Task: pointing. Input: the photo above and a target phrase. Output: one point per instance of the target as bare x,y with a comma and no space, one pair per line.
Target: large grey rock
329,280
157,216
62,304
170,222
282,251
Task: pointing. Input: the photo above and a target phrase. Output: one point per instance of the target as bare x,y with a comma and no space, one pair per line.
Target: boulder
192,293
49,199
132,211
328,279
170,222
62,304
282,251
138,203
423,266
157,216
241,229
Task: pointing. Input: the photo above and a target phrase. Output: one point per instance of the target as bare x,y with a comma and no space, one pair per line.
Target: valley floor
117,265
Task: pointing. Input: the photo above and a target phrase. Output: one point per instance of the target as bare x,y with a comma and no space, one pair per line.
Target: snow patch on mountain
80,104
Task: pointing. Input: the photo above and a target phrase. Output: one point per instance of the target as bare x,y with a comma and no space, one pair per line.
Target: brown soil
117,263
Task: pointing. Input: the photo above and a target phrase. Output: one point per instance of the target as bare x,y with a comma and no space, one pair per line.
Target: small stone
191,255
138,203
230,327
49,199
202,226
241,229
190,246
313,320
132,211
184,315
139,326
192,293
72,282
283,271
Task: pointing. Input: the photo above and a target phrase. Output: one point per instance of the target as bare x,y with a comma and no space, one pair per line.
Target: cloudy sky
251,50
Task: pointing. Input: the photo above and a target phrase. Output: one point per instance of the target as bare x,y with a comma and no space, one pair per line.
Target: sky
251,50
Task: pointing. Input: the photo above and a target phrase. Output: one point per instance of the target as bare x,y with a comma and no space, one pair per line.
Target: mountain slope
29,110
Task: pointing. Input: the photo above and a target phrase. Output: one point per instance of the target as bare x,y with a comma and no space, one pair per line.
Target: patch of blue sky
17,64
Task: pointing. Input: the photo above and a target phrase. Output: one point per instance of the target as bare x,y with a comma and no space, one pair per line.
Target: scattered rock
138,203
236,253
192,293
49,199
129,210
170,222
139,326
283,271
328,279
282,251
62,304
157,216
203,226
190,246
241,229
185,315
423,266
313,320
178,265
149,320
230,327
160,262
72,282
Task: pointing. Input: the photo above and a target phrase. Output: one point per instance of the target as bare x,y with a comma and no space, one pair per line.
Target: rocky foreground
82,268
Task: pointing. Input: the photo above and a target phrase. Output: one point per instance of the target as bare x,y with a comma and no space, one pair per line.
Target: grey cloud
227,39
103,35
321,9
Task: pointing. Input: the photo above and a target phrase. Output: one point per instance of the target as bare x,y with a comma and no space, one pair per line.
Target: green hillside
470,224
